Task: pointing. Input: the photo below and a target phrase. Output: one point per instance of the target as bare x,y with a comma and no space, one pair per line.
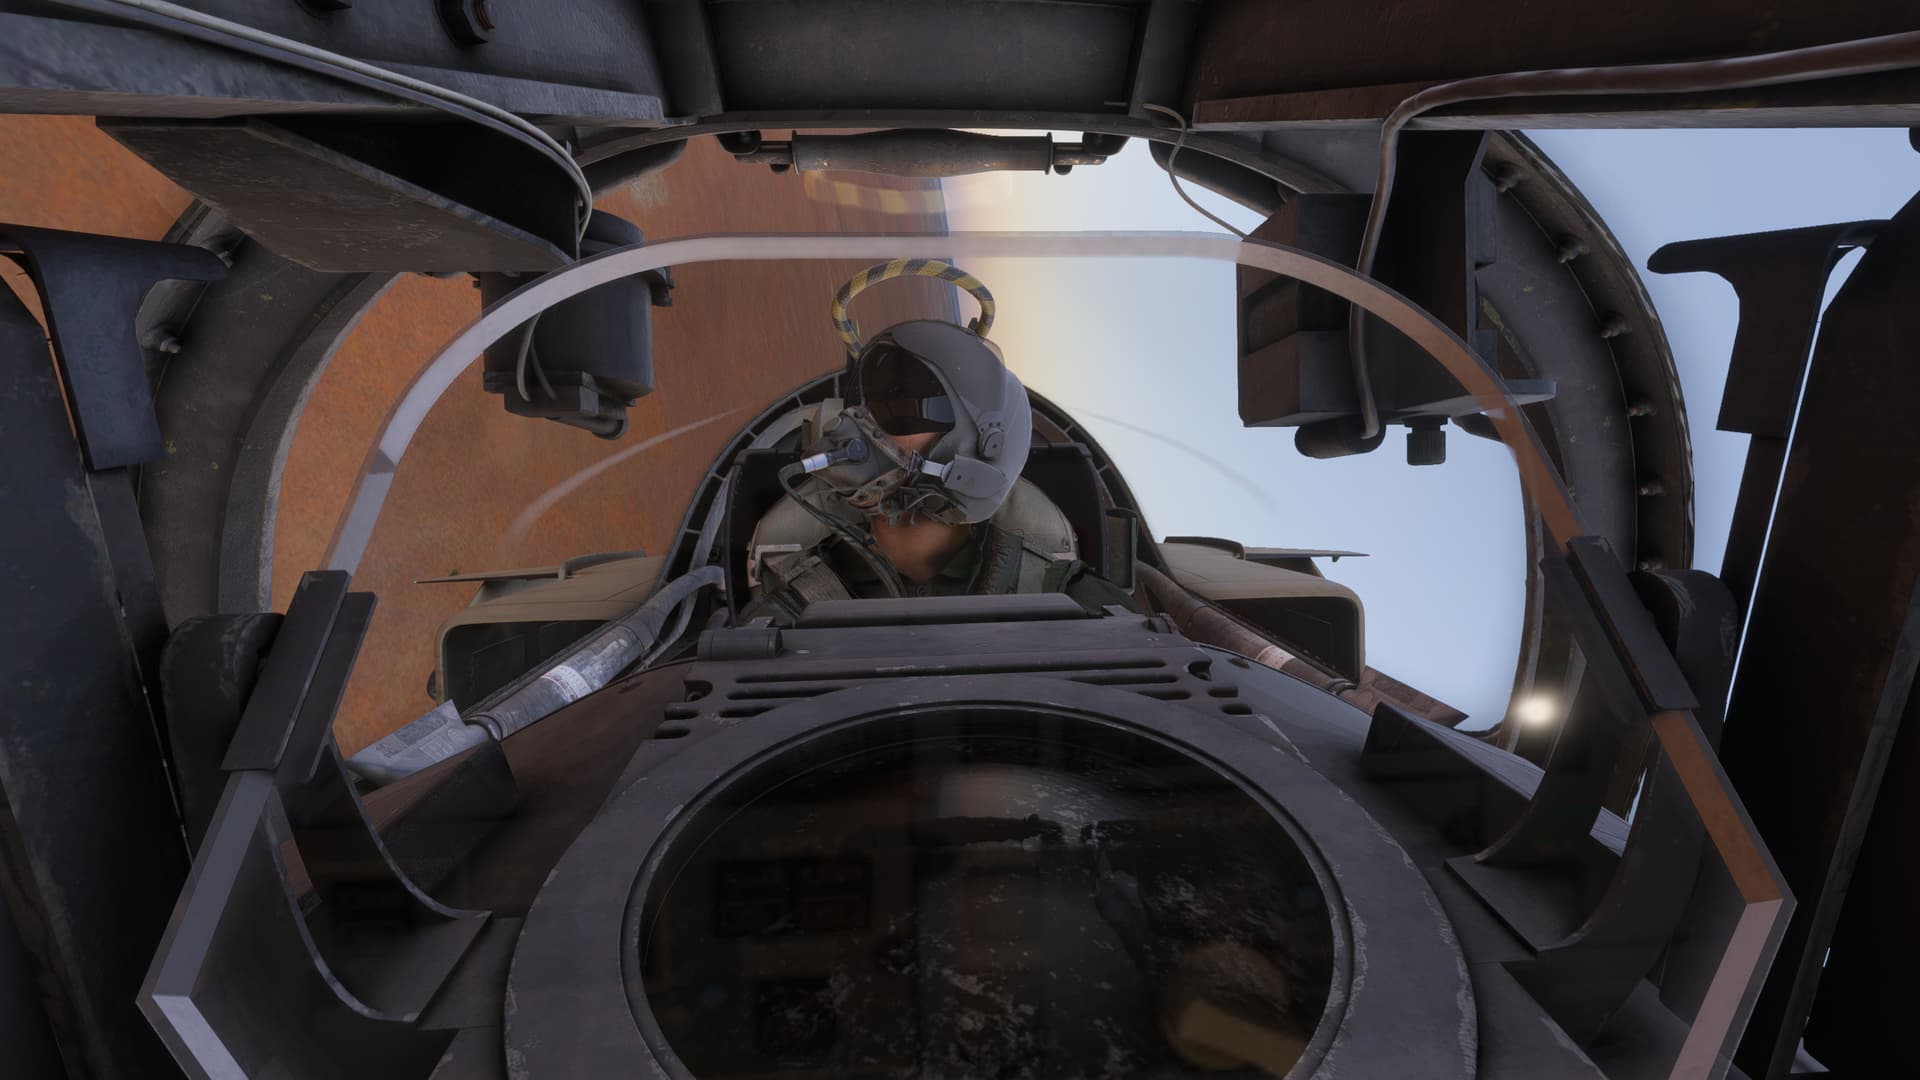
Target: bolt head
469,22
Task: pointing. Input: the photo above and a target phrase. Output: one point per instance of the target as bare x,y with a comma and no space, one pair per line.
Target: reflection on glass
975,893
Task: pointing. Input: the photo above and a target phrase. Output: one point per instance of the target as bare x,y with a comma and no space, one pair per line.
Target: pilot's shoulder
1038,520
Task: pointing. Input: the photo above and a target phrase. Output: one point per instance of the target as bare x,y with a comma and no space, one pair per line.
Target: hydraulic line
1890,52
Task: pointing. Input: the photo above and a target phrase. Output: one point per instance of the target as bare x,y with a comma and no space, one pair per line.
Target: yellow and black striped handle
849,332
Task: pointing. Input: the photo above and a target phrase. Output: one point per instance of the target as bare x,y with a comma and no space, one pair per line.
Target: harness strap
800,579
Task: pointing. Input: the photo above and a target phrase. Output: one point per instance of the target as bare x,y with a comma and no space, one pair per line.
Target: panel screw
1614,324
1569,248
1506,178
1651,487
1640,408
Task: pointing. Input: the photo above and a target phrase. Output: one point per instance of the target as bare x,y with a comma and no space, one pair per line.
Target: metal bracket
1598,914
1780,278
294,874
91,287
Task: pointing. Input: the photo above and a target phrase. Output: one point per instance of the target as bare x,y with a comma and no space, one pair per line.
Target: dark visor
902,393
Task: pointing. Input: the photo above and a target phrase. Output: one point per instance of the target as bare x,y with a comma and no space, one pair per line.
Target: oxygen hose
586,666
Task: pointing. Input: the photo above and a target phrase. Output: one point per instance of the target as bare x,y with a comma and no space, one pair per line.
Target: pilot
910,485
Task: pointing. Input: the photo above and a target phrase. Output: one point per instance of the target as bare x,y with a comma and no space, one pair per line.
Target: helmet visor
901,393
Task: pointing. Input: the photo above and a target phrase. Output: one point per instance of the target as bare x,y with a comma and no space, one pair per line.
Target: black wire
1180,144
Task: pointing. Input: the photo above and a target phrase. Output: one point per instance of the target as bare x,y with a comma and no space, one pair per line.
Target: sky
1143,354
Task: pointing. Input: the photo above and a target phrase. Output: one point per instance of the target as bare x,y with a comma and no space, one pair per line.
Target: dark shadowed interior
983,893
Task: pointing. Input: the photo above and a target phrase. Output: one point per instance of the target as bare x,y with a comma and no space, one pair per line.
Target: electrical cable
1178,189
540,372
520,359
242,38
1865,56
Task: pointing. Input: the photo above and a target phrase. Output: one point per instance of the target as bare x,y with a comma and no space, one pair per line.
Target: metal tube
925,153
